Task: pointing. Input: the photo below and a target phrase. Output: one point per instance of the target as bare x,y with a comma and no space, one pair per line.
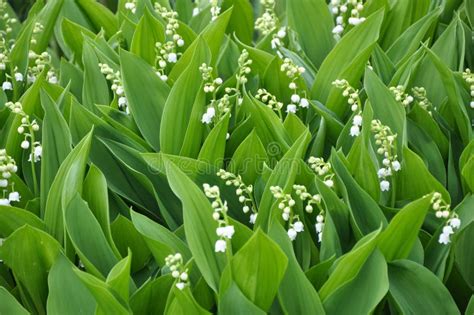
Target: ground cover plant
236,157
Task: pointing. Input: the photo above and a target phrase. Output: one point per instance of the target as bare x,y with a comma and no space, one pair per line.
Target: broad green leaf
248,158
12,218
241,21
149,31
151,297
234,302
397,240
161,241
67,293
365,291
416,290
100,16
257,269
346,61
320,24
179,106
95,89
366,215
66,184
30,253
213,148
119,277
56,143
349,265
108,302
146,94
47,17
9,304
199,225
126,237
463,250
296,293
88,238
415,181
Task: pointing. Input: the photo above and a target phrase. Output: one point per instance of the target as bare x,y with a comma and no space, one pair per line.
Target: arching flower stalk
298,98
166,53
419,93
323,170
7,168
286,204
385,139
468,76
354,101
224,231
347,12
312,201
400,96
116,85
28,128
178,271
270,100
443,211
243,191
218,107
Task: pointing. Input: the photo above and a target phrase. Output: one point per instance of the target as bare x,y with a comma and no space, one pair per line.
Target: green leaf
241,21
30,253
179,106
199,225
365,291
9,304
67,293
321,24
349,265
100,16
151,297
119,277
416,290
248,158
56,143
95,89
464,254
296,293
12,218
346,61
161,241
108,302
66,184
234,302
213,149
398,239
149,31
146,95
257,269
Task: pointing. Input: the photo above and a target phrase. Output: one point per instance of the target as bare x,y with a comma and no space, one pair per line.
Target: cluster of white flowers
5,19
311,201
244,67
385,139
27,129
442,210
270,100
40,62
286,204
178,270
469,77
37,29
167,52
419,94
224,231
277,40
323,170
131,5
244,192
353,100
215,9
212,86
117,86
340,9
400,96
298,98
268,21
7,168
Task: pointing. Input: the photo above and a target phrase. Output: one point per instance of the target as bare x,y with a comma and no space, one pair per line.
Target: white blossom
291,108
14,196
384,185
7,86
220,246
4,202
355,131
18,76
292,234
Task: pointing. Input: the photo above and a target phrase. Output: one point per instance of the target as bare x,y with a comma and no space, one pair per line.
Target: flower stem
32,160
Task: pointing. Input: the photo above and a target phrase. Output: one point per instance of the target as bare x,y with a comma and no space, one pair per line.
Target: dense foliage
236,157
